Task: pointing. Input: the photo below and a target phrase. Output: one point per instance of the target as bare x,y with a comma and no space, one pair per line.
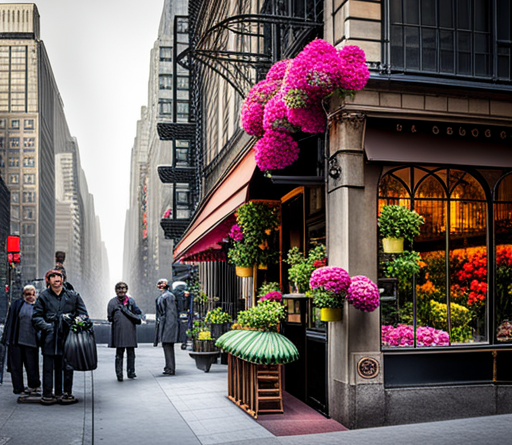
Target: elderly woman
21,340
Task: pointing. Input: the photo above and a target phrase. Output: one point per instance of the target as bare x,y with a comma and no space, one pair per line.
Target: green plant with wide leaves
399,222
323,299
265,316
257,222
217,315
302,267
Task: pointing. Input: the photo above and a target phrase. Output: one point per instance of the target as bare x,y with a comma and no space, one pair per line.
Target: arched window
441,280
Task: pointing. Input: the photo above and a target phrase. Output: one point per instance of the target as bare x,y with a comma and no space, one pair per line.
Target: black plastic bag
80,350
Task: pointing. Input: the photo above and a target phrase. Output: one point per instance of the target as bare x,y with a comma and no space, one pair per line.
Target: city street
192,408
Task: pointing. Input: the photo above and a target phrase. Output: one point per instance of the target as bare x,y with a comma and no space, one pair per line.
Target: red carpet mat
298,418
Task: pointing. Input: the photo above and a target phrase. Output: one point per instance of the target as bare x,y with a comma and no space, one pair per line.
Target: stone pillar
354,400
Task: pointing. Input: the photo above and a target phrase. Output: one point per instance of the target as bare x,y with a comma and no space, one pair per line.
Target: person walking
53,303
124,314
21,339
167,324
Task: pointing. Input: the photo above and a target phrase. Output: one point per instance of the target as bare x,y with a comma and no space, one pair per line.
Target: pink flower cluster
330,278
290,97
272,296
268,157
403,335
236,233
363,294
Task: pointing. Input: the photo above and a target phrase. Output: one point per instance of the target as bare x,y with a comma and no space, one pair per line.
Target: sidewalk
191,408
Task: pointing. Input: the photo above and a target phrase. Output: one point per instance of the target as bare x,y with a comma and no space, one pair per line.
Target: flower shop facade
417,136
441,347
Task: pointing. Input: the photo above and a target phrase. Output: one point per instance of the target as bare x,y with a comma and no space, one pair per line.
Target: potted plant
251,234
329,286
302,267
397,223
204,351
219,321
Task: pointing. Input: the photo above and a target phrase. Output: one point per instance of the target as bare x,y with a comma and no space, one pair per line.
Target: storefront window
440,296
503,230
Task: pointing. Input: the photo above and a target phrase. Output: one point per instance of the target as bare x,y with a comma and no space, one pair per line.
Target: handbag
80,350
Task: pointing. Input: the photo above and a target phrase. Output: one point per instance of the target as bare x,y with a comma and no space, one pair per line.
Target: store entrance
303,226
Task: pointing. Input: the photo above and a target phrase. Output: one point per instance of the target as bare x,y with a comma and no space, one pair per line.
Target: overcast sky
99,52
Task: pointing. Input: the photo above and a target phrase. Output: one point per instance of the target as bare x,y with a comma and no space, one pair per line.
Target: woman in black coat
21,339
124,314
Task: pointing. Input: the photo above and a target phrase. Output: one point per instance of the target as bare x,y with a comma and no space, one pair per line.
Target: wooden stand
257,389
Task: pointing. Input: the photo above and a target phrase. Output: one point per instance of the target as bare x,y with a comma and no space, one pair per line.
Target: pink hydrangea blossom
363,294
354,71
254,105
310,120
330,278
272,296
274,116
236,233
403,335
278,70
275,150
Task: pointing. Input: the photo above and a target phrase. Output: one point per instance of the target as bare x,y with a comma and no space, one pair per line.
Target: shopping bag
80,350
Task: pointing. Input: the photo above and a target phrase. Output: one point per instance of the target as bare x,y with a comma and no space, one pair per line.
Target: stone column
354,343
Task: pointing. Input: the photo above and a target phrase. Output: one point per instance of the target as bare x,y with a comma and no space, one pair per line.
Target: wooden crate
257,389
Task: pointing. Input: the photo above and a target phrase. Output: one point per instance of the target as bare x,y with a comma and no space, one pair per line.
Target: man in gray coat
167,324
124,314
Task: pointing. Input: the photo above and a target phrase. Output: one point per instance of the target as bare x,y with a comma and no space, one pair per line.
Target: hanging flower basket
331,314
393,245
244,271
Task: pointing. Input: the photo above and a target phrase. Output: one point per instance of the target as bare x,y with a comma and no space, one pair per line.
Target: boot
119,368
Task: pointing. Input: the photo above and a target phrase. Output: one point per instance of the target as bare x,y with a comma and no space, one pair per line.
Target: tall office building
36,148
148,251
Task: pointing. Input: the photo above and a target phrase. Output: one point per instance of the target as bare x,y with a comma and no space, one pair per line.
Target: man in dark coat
124,314
53,303
167,324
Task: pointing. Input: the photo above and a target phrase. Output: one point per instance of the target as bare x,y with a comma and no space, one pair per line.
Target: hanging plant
290,98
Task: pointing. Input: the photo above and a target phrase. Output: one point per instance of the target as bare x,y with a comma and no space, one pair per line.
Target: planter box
257,389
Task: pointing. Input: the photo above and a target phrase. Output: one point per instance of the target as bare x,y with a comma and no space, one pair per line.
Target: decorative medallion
368,368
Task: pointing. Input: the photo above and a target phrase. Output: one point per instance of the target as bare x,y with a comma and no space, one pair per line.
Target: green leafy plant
399,222
265,316
217,315
268,287
323,299
302,267
257,222
460,317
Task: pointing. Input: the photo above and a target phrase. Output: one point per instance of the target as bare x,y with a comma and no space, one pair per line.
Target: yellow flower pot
331,314
393,245
244,271
262,267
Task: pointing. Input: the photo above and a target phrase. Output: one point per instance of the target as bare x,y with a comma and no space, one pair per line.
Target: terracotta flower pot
393,245
244,271
331,314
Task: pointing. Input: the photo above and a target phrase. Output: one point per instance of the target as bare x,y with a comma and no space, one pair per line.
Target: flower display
290,98
278,70
253,106
272,296
330,278
236,233
276,150
403,335
363,294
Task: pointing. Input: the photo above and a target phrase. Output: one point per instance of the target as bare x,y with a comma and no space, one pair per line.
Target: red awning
211,223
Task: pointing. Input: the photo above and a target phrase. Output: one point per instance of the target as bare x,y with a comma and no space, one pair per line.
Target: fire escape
238,40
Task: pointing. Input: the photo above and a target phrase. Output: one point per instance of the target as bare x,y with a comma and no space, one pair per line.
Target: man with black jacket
53,303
